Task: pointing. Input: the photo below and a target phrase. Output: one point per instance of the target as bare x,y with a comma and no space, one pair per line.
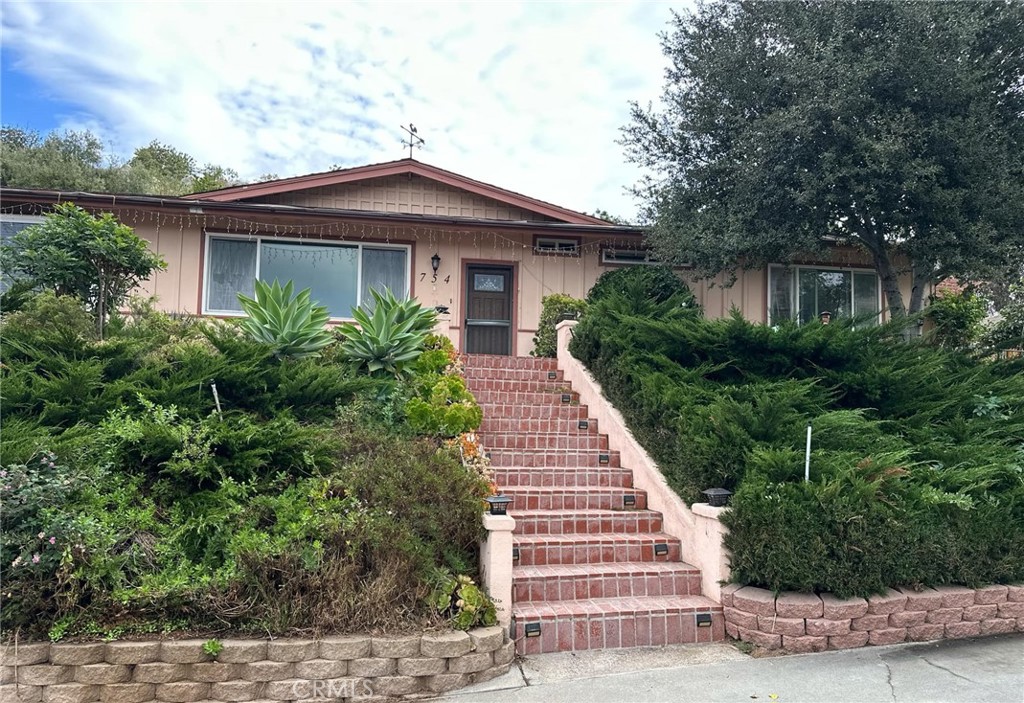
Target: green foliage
307,504
957,318
894,126
443,408
917,469
554,308
461,602
95,259
288,323
391,338
1008,331
213,647
657,283
75,160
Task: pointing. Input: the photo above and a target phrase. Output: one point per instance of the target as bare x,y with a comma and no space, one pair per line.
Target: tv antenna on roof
415,140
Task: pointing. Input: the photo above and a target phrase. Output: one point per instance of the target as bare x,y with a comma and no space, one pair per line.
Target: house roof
393,168
194,206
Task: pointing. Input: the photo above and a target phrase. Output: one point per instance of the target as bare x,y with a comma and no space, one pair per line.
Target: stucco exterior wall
407,194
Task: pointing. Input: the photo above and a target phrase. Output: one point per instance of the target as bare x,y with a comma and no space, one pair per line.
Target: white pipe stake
807,456
216,400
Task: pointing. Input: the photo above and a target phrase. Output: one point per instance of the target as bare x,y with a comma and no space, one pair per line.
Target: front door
488,309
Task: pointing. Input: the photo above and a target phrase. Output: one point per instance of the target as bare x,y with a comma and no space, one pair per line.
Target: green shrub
554,308
462,602
916,464
289,324
957,318
444,408
659,283
391,338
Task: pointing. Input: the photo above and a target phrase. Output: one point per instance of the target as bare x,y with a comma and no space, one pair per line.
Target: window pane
824,291
329,271
865,295
383,268
230,271
780,294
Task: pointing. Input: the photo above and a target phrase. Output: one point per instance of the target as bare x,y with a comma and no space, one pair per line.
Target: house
483,255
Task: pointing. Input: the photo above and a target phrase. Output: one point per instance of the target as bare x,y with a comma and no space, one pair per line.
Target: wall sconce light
435,263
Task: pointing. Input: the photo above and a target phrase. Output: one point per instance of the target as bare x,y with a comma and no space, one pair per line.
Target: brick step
505,410
546,550
477,385
495,361
488,398
479,372
498,423
612,623
615,580
512,477
573,498
552,458
591,522
524,440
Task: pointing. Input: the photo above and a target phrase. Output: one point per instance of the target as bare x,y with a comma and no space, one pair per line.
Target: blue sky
528,96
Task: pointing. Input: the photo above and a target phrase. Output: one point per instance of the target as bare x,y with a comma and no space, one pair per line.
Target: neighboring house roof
195,206
393,168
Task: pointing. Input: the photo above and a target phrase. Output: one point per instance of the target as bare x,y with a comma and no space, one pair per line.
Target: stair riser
487,399
492,361
480,373
624,524
511,478
510,424
583,587
593,553
614,631
479,385
560,413
551,459
523,499
577,442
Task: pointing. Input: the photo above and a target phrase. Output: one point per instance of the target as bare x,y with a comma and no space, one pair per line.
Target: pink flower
53,540
35,558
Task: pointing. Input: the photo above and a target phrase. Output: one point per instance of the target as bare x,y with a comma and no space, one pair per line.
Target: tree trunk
921,280
890,284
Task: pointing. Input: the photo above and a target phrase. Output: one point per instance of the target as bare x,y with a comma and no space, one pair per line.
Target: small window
628,257
556,245
9,226
489,282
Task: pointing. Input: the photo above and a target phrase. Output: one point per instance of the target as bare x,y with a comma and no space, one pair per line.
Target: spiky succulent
292,324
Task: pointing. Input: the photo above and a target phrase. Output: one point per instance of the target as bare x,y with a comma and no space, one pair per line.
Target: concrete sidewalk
989,669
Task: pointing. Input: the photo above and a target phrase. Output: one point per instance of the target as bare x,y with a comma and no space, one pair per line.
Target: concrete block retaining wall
799,622
333,668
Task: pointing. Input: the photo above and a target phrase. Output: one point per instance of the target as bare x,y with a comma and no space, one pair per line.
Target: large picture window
802,293
340,276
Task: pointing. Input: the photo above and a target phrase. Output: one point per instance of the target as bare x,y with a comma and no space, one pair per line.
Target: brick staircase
592,567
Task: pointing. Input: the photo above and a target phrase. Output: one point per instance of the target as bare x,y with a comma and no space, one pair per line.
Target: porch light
435,262
717,497
498,505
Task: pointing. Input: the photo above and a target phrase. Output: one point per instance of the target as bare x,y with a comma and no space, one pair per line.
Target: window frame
258,239
539,249
648,261
5,278
794,287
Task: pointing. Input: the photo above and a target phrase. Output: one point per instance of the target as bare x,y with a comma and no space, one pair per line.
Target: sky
527,96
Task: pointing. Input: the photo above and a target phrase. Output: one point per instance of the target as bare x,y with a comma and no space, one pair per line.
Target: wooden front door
488,309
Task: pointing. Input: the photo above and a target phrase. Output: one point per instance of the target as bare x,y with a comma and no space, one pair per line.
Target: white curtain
232,270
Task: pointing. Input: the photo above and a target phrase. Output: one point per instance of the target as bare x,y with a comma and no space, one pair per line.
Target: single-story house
483,255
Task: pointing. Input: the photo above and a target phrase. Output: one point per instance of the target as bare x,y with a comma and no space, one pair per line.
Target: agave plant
291,324
391,337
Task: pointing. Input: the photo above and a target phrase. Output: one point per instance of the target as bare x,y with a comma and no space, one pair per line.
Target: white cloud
528,96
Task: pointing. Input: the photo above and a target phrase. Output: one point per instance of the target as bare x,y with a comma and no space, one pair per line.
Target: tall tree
895,126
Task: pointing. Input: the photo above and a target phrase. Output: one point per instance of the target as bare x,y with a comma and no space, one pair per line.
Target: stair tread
621,568
558,490
579,514
593,537
603,606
